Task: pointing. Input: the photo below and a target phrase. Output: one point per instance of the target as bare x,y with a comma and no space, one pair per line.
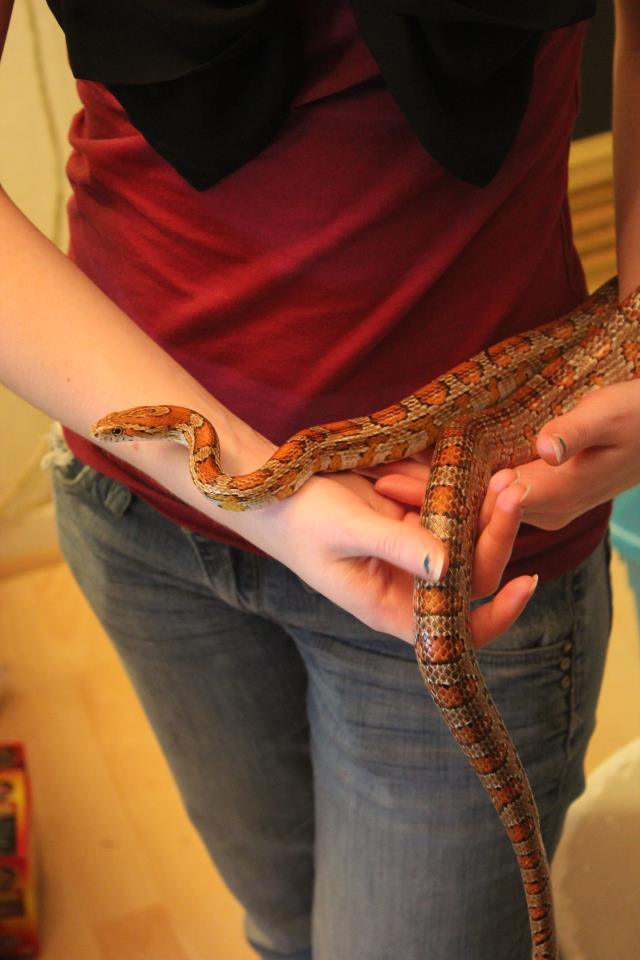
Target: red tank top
341,268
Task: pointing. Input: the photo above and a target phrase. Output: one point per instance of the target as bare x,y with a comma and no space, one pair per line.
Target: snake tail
450,671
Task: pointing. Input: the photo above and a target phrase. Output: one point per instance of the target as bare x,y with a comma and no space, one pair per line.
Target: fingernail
525,493
534,584
433,566
560,448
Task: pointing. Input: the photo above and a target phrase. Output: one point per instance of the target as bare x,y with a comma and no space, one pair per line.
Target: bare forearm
68,350
626,143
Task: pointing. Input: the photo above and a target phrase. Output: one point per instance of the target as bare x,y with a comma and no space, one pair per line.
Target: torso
340,269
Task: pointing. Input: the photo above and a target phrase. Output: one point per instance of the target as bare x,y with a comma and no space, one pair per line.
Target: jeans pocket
530,668
66,469
71,477
545,672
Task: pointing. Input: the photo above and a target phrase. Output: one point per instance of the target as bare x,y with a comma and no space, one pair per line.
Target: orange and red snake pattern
482,415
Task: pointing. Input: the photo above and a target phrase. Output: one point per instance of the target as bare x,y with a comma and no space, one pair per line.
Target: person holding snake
286,214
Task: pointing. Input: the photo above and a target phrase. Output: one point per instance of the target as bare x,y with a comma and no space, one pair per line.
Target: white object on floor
596,870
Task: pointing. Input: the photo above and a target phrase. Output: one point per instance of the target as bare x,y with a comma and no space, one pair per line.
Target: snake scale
482,415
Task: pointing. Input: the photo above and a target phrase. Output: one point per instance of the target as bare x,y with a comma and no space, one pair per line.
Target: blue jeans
308,754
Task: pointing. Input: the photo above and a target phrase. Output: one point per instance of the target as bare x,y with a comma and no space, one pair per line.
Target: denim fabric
309,756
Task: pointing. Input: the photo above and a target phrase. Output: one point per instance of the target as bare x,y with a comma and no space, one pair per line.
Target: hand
362,549
342,537
587,457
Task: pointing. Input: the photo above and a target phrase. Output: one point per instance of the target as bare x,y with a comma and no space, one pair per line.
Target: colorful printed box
18,920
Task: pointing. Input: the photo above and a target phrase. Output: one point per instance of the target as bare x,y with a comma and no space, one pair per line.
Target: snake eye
116,431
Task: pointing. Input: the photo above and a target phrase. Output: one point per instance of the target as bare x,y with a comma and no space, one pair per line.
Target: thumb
577,430
404,544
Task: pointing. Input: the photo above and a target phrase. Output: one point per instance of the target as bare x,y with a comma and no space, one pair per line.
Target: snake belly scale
482,415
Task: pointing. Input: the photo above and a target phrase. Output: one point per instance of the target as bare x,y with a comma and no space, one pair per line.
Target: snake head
107,429
141,423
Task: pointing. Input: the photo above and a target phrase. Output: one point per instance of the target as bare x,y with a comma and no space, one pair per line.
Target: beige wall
37,99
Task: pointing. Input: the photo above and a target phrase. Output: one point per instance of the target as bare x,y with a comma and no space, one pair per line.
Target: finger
491,619
406,489
405,545
498,531
411,467
589,424
561,493
499,482
410,491
495,543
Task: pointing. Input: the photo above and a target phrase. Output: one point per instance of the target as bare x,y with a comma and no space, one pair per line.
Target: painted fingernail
433,566
560,448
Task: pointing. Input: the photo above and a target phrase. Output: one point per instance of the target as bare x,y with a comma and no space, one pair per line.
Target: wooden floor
123,876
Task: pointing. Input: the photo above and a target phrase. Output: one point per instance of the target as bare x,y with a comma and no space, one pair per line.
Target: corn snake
482,415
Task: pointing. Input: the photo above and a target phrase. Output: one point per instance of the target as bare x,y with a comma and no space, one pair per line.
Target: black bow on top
208,83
